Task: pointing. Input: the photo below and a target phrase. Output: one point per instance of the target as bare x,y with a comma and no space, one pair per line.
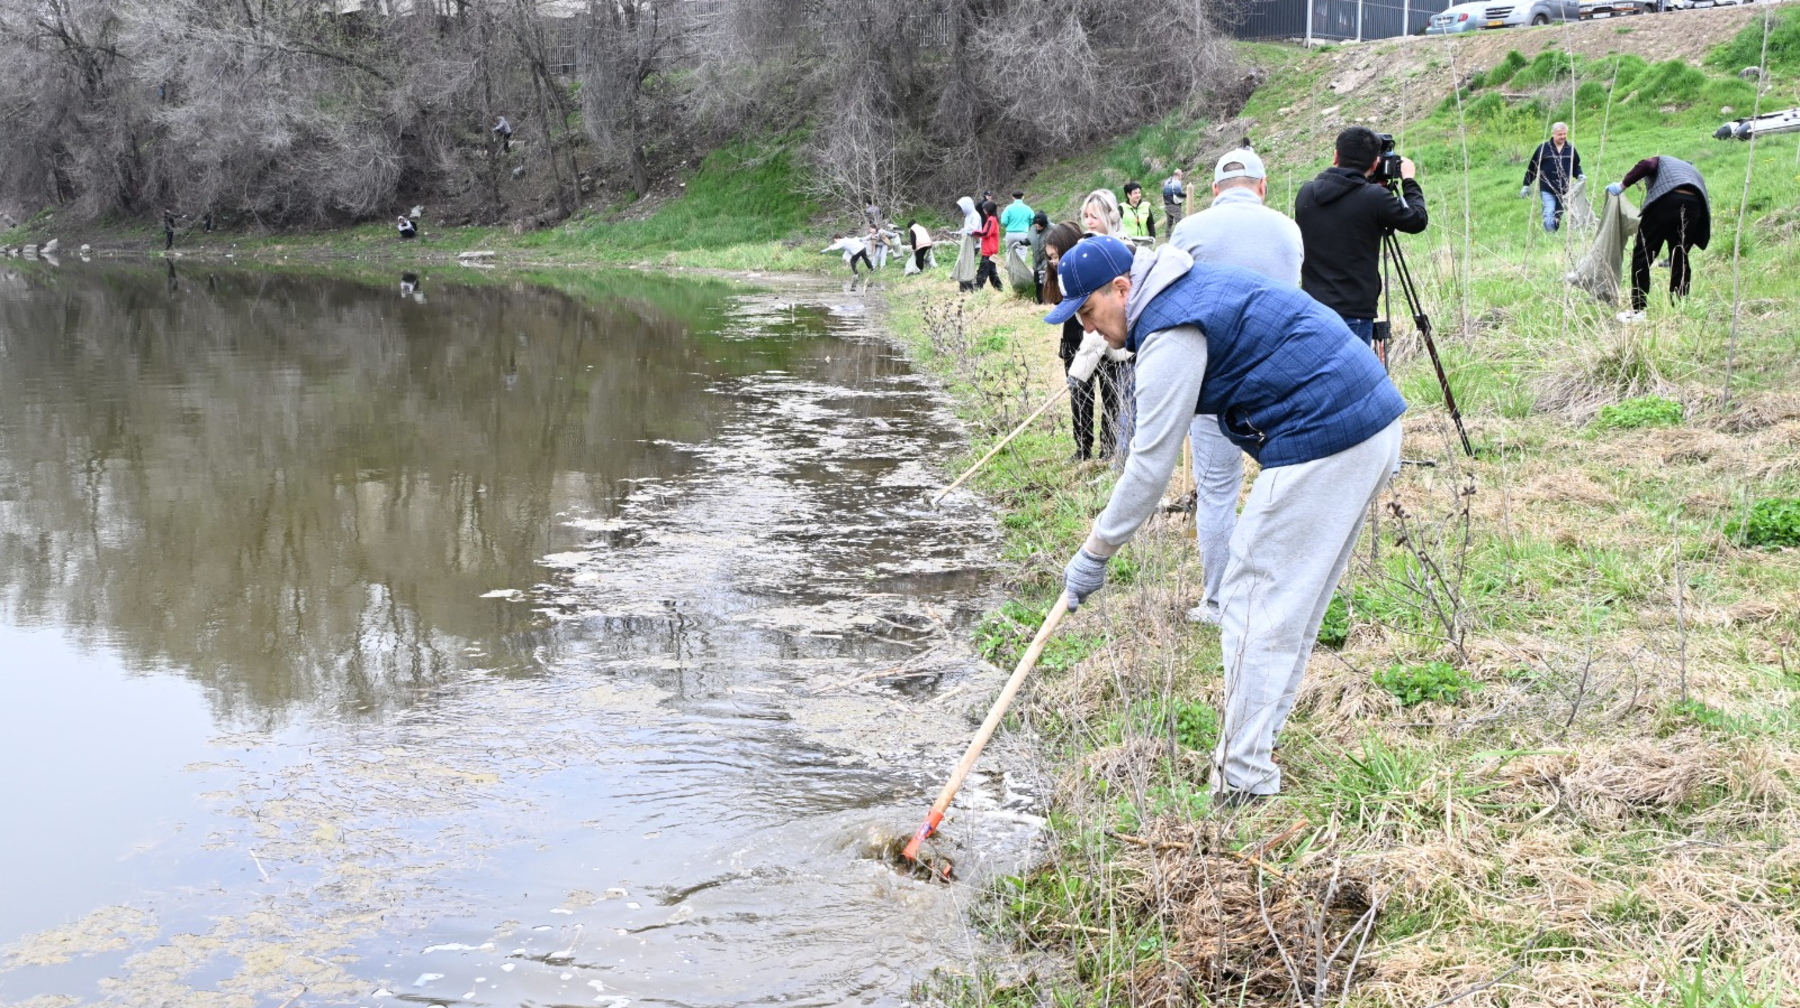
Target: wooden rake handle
1026,664
1016,431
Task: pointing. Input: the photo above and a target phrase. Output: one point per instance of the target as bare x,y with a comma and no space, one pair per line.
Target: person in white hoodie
1101,215
1237,230
968,256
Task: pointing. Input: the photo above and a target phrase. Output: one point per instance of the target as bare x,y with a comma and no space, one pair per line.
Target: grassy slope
1591,798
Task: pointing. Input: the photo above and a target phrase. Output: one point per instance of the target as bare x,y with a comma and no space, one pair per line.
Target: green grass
744,196
1746,48
1513,682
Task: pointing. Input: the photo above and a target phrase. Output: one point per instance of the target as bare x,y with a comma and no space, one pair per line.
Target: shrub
1644,411
1502,72
1746,48
1549,67
1415,684
1773,522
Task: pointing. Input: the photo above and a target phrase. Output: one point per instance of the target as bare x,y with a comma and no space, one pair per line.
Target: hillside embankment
1545,753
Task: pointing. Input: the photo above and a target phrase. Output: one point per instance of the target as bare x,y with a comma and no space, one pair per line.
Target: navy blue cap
1094,262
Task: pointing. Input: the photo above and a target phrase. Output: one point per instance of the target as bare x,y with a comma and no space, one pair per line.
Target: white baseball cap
1240,163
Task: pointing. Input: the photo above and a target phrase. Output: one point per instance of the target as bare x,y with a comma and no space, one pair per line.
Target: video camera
1387,166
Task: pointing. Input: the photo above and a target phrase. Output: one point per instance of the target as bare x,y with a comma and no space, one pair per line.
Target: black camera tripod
1392,257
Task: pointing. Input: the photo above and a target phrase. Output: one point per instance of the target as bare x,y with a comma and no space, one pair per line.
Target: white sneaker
1207,615
1629,317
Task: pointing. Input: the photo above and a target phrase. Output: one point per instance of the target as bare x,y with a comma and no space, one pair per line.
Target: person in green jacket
1135,219
1015,222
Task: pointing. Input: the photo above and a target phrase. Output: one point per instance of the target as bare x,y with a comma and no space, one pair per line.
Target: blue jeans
1552,210
1364,328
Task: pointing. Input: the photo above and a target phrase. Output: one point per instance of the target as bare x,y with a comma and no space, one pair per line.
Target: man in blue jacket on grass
1296,389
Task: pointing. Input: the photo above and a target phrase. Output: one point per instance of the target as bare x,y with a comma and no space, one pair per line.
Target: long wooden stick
1026,663
1016,431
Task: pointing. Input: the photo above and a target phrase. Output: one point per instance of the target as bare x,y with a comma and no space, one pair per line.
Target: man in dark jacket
1554,167
1342,215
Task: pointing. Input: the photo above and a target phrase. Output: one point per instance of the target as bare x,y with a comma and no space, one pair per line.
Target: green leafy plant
1644,411
1195,725
1415,684
1336,628
1771,523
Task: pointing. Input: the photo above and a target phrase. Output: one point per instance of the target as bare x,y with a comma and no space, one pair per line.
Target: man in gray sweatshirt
1237,230
1296,389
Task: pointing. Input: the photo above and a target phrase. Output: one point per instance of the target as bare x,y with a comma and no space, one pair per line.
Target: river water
490,641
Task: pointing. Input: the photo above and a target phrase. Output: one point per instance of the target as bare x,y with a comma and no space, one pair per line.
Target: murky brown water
482,644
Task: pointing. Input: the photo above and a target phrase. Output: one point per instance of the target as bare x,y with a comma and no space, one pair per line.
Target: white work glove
1524,191
1117,354
1087,358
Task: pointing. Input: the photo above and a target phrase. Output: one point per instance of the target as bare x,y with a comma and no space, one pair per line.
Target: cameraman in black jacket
1342,215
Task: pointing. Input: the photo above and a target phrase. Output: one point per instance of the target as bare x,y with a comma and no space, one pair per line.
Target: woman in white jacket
1100,214
968,257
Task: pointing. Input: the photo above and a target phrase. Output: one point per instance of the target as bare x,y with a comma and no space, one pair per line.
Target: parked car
1597,9
1475,16
1464,17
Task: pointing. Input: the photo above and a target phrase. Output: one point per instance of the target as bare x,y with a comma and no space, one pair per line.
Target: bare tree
293,112
628,93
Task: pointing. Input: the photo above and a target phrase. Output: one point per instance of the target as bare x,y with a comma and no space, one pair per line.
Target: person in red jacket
989,233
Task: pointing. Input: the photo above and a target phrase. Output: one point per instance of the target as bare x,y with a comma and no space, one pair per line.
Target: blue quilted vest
1287,379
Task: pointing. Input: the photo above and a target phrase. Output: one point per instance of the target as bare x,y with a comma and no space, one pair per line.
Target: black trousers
1081,408
988,270
1680,222
919,257
864,256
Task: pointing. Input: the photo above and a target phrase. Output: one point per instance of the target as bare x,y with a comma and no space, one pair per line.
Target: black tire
1540,18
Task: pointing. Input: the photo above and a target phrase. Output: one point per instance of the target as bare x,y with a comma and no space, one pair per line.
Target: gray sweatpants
1292,544
1218,478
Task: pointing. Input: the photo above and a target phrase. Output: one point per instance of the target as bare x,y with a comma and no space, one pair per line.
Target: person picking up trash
1675,213
1296,389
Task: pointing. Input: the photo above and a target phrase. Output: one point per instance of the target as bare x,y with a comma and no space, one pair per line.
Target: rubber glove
1615,188
1083,577
1087,358
1524,191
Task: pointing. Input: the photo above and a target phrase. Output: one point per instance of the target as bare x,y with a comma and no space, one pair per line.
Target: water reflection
297,492
547,640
